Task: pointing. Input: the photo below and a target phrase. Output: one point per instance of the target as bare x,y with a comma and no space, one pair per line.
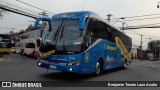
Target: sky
118,9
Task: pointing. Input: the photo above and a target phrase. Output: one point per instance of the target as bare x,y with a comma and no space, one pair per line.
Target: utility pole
11,34
141,48
109,17
44,14
123,26
155,51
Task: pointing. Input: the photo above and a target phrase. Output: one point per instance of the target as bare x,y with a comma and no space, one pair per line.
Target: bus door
95,39
90,48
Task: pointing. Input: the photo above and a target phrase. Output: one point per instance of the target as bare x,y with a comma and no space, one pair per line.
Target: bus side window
99,30
88,32
109,33
115,34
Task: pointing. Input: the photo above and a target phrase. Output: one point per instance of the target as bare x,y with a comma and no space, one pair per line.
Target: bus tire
99,67
125,64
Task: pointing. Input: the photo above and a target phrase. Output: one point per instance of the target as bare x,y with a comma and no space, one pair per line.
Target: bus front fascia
81,25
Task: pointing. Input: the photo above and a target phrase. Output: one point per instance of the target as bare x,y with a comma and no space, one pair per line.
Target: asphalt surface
22,68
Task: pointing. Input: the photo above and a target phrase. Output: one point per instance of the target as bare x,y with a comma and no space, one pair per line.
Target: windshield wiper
62,33
56,33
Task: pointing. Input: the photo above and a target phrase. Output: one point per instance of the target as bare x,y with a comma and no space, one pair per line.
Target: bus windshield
64,35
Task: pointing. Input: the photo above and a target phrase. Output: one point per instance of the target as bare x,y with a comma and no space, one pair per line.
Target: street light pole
123,26
158,5
155,51
141,48
118,19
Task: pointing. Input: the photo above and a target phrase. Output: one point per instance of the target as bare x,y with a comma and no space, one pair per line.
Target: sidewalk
2,60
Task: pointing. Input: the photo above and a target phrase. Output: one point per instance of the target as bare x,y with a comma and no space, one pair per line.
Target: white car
16,50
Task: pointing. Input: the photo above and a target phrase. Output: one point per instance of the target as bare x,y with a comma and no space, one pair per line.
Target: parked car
150,56
151,59
16,50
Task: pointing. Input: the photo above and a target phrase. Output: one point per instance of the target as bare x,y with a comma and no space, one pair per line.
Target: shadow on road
64,76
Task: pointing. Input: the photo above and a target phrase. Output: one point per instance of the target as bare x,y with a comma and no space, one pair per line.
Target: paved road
21,68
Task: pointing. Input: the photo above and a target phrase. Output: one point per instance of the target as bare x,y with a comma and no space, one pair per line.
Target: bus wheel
98,68
125,64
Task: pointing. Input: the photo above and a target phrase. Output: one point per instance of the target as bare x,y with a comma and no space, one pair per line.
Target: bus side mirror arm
38,20
90,38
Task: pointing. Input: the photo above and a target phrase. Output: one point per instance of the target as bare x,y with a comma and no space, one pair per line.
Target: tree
29,28
21,32
154,47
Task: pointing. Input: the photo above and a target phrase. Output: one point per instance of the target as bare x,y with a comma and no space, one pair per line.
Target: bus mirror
38,20
82,22
90,38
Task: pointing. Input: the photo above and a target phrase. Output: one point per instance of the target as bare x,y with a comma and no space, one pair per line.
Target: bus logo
123,49
87,57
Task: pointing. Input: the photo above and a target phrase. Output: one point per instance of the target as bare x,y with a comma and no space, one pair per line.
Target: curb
2,60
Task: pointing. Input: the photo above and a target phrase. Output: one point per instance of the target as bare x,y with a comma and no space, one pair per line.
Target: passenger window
99,30
90,34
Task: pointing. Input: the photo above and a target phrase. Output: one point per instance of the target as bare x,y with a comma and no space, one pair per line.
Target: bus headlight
73,63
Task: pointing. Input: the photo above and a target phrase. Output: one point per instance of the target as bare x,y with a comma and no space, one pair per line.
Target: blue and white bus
82,42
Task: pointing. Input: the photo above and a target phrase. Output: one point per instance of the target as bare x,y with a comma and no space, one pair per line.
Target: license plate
53,67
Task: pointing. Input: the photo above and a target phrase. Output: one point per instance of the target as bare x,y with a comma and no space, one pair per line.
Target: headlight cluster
73,63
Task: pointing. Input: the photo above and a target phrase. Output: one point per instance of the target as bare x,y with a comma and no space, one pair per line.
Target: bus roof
73,15
82,15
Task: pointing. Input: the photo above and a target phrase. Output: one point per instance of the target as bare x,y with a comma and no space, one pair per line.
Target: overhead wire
19,7
142,34
142,19
35,7
138,19
145,25
140,16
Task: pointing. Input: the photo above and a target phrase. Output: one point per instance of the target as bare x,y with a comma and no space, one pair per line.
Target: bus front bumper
60,67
